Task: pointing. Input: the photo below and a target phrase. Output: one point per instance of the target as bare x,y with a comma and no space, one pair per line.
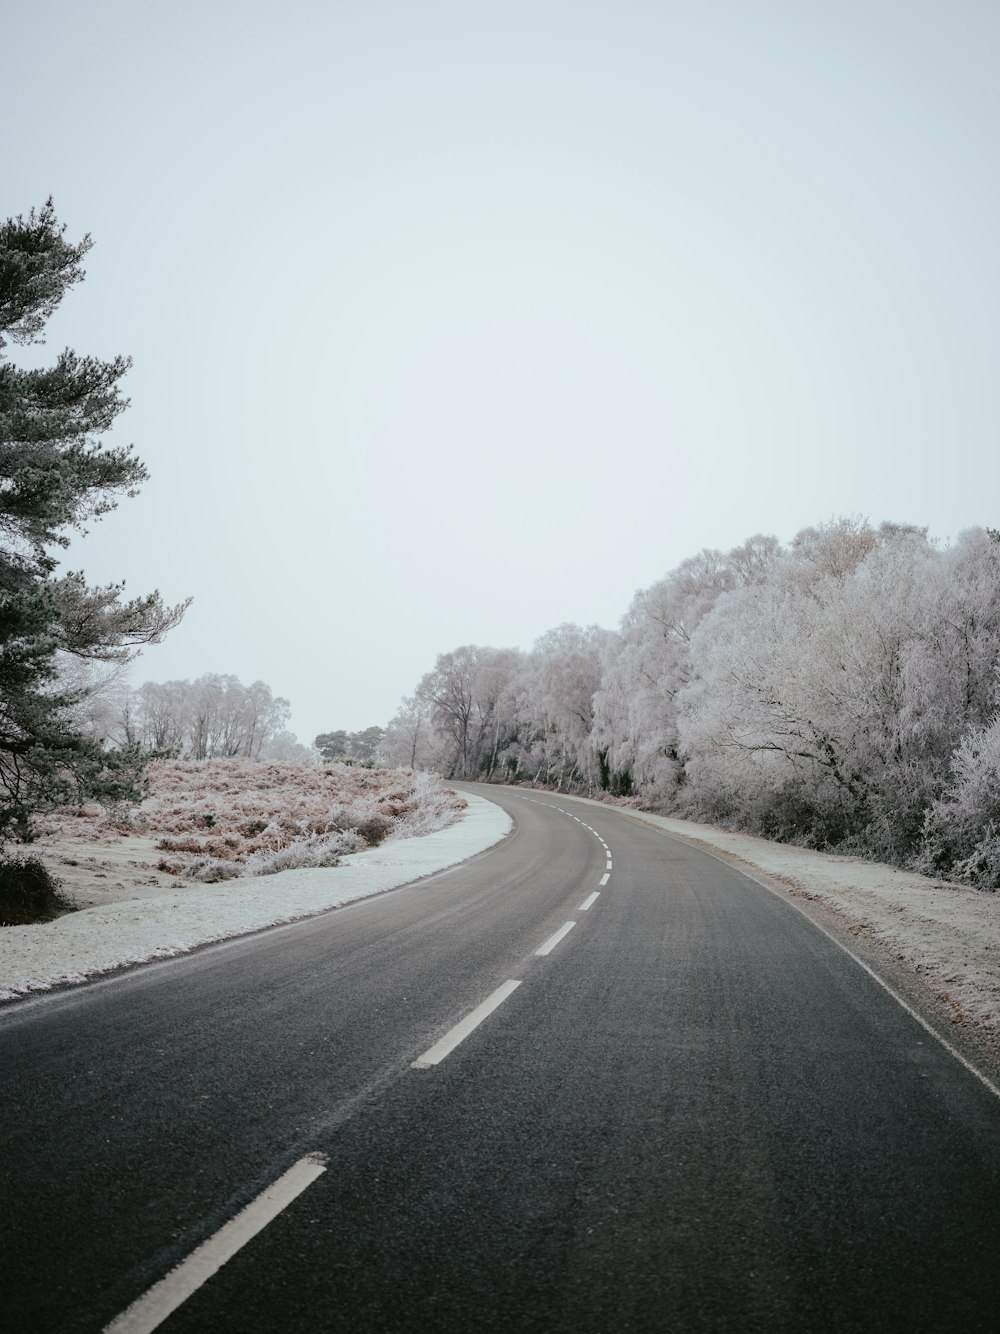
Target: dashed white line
464,1027
554,940
608,867
605,877
163,1298
589,901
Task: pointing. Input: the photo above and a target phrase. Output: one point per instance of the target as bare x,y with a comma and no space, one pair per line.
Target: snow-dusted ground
949,935
100,939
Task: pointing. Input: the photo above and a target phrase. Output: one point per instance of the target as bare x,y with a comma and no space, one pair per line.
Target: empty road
591,1080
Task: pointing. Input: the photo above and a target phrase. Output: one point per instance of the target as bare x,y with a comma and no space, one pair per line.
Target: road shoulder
937,944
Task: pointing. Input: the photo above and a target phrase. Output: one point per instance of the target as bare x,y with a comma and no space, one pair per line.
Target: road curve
687,1110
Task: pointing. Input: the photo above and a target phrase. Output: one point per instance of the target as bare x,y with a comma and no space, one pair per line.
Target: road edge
48,958
975,1043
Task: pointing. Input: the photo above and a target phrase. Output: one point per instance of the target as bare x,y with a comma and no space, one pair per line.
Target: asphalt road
694,1112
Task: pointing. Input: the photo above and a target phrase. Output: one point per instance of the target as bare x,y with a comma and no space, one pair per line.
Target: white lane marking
464,1027
605,877
163,1298
553,941
590,901
891,991
608,867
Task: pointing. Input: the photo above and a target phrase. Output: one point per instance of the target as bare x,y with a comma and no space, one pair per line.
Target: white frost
100,939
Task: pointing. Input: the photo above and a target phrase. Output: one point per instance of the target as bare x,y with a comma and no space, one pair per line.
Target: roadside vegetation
206,821
839,692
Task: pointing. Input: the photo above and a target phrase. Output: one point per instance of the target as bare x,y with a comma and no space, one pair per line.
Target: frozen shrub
240,814
210,870
121,818
430,806
179,845
375,828
982,866
961,836
324,850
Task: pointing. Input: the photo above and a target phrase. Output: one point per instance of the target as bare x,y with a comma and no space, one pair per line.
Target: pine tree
55,476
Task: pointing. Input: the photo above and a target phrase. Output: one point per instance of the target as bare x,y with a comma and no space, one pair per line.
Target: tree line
214,717
839,691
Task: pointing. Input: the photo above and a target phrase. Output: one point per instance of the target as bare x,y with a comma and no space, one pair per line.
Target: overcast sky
455,321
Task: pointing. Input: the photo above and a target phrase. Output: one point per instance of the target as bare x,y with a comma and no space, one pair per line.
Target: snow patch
109,936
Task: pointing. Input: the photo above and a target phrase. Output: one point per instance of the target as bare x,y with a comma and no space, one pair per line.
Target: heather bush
317,850
375,828
210,870
216,819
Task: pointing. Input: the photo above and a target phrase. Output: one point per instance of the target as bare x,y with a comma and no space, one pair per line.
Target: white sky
455,321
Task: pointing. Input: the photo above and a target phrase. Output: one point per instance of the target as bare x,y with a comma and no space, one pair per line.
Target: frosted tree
553,715
407,741
494,707
635,724
214,717
365,744
841,692
464,696
285,746
814,705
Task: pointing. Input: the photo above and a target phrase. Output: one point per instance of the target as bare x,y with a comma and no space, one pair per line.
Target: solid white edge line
953,1051
164,1297
590,901
554,940
890,991
464,1027
605,877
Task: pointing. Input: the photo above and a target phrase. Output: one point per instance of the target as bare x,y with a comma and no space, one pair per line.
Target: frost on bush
213,820
210,870
982,866
962,830
316,850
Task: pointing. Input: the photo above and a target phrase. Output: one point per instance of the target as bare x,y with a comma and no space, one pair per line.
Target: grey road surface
693,1112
